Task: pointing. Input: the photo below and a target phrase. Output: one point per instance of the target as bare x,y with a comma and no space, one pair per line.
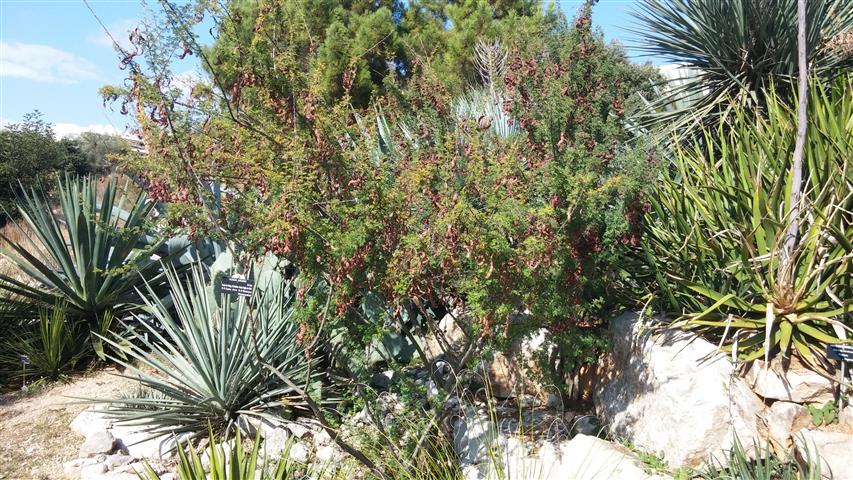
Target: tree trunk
795,204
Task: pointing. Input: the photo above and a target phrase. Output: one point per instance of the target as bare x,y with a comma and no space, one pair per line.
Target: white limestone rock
93,472
784,419
89,421
835,450
797,384
140,444
488,452
673,394
98,442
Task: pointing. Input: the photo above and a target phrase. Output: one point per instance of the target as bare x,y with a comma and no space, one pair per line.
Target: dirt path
35,438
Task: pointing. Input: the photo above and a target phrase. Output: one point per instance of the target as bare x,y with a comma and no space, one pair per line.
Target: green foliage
411,446
77,161
654,464
352,46
234,463
423,208
201,363
29,156
442,34
54,345
89,257
93,152
764,464
734,51
356,47
761,463
824,415
716,227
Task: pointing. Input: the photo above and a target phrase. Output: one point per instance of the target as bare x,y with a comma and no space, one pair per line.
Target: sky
54,56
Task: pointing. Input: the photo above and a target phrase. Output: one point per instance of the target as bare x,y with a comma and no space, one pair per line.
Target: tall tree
29,156
443,32
350,47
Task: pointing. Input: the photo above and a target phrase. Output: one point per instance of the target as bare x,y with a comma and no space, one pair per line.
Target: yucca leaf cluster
202,362
50,347
732,52
716,229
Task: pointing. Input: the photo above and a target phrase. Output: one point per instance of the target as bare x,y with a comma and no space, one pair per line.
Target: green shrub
716,227
29,156
824,415
199,366
520,216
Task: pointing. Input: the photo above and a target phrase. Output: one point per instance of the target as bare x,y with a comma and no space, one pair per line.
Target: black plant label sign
842,353
238,286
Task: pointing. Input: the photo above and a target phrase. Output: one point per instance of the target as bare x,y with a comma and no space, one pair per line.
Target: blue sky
54,56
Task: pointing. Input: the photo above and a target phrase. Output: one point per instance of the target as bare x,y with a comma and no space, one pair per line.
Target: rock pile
491,446
113,452
118,452
672,393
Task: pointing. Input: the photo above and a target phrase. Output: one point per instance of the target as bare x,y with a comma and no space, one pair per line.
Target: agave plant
733,51
204,360
716,229
91,258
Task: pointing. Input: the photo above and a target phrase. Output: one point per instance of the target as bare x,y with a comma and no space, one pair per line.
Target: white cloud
120,31
72,130
43,63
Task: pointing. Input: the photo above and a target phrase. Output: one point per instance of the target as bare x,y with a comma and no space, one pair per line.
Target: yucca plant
92,261
234,463
733,51
201,363
487,109
51,346
717,225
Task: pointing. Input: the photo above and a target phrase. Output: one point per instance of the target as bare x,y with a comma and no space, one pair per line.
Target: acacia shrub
402,200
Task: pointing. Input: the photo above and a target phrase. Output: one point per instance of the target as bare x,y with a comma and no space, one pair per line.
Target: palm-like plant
91,258
205,364
734,50
717,227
